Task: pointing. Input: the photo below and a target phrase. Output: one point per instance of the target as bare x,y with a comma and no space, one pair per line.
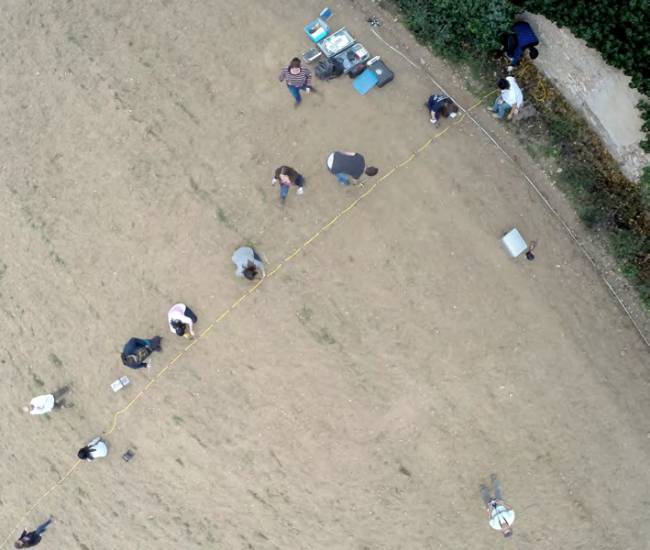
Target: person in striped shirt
297,78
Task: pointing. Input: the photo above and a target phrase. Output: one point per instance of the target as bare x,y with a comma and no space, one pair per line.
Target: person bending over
441,106
247,263
181,320
345,165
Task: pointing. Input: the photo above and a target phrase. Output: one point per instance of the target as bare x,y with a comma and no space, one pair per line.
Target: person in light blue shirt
247,263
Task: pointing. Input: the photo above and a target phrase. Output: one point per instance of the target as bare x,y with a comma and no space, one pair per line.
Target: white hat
453,115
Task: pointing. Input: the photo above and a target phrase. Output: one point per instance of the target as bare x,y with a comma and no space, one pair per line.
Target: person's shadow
59,396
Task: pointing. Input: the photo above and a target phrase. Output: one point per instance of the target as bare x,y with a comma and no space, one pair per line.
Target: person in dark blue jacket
521,38
441,106
136,351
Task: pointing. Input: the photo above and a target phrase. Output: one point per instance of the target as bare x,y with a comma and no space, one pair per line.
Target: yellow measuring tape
236,304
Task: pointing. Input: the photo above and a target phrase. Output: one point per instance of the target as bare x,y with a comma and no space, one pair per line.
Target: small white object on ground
118,384
300,190
514,243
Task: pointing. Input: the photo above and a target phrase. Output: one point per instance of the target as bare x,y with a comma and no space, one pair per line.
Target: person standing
298,78
288,177
501,516
509,101
97,448
247,263
27,540
136,351
181,320
441,106
346,165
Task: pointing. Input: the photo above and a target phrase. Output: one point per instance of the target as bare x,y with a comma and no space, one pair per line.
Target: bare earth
356,400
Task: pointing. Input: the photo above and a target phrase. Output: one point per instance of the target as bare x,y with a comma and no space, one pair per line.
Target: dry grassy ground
359,398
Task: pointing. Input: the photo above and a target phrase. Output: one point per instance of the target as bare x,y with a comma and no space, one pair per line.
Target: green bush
458,29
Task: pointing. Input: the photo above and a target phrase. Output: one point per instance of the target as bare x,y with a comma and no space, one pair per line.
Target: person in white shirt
509,101
181,320
97,448
500,515
41,404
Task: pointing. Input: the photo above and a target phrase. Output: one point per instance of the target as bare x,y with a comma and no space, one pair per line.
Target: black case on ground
384,74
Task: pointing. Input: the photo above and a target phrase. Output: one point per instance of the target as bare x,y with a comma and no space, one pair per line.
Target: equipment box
384,74
336,43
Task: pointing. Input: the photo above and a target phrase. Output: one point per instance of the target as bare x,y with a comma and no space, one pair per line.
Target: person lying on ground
136,351
298,78
500,515
247,263
288,177
510,100
441,106
345,165
181,320
97,448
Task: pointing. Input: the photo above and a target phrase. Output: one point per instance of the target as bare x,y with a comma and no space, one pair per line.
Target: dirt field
356,400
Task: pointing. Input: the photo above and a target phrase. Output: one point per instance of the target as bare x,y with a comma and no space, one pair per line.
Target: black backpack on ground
328,69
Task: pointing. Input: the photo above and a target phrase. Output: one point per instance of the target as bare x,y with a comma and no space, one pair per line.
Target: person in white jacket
41,404
181,320
510,100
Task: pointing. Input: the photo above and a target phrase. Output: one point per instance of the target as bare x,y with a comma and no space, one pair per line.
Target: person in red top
297,78
288,177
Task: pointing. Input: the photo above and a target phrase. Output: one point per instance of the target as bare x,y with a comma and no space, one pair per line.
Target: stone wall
597,90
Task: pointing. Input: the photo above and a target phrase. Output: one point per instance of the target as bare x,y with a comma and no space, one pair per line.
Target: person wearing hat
441,106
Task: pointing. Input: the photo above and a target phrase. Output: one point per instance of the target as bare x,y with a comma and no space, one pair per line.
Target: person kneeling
181,320
441,106
248,263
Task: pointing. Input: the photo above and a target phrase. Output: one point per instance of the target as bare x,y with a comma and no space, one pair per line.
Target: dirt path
359,398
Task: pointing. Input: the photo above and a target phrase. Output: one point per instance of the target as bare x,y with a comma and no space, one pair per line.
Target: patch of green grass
223,218
37,380
178,420
305,314
55,360
323,336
